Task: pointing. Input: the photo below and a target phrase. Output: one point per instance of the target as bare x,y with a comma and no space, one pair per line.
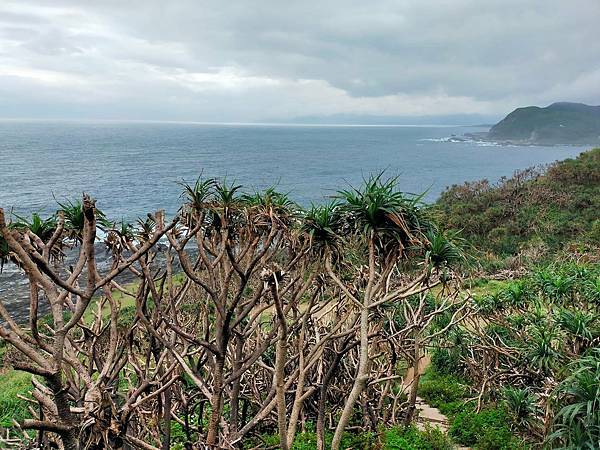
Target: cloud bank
247,61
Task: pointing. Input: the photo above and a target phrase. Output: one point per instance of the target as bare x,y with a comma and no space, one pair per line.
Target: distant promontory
558,124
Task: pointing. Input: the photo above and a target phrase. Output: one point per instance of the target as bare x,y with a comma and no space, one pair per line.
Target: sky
254,61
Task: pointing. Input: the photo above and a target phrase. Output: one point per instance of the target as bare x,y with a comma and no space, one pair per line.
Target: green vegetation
577,424
559,123
521,370
397,438
443,391
13,383
531,216
487,429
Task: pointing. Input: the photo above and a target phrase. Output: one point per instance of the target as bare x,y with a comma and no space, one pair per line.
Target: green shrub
438,389
577,423
446,361
486,430
536,208
308,441
499,439
410,438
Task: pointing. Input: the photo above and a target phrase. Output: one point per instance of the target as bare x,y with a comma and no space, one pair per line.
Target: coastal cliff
557,124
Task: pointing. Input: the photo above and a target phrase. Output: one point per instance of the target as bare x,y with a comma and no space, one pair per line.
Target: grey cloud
487,56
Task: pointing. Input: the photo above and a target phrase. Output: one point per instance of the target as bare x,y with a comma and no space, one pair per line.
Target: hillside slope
559,123
542,208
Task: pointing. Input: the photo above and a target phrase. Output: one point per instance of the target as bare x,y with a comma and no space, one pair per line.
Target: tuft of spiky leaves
577,424
380,210
522,406
444,249
75,219
321,224
42,228
196,197
263,207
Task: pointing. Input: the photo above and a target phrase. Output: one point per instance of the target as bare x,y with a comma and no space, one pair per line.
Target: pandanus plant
43,231
42,228
577,425
321,225
119,236
195,197
263,207
522,407
392,228
581,328
74,219
542,352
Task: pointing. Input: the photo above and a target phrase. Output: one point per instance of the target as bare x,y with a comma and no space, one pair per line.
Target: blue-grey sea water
133,168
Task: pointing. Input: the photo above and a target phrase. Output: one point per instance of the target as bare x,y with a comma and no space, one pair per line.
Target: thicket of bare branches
246,315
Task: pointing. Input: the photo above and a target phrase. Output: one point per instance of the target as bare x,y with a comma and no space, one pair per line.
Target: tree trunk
412,399
362,373
212,436
166,444
280,387
359,382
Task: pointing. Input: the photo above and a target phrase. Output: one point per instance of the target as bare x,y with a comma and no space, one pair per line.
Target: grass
483,286
13,382
395,438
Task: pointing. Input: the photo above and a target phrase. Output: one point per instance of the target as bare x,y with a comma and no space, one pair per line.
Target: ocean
134,168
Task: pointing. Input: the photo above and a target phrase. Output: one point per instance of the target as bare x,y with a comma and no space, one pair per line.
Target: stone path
427,414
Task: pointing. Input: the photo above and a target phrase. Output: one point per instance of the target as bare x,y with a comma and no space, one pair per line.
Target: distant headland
560,123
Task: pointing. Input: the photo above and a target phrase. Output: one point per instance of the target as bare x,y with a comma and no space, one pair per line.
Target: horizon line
233,123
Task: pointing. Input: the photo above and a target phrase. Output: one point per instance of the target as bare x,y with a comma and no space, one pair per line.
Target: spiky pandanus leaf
444,249
321,225
196,196
43,228
578,323
542,352
265,207
75,219
522,406
380,210
577,425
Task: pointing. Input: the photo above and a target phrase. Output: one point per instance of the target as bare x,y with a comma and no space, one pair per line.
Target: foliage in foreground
278,315
532,350
534,214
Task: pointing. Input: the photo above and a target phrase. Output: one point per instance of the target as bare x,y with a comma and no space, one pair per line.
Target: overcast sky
255,60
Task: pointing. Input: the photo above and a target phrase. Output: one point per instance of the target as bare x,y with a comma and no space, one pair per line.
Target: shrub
549,207
446,361
437,389
487,430
410,438
521,406
577,424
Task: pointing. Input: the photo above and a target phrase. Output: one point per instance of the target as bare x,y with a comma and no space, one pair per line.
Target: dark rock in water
557,124
14,285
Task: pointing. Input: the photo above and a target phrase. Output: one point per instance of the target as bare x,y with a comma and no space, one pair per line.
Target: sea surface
134,168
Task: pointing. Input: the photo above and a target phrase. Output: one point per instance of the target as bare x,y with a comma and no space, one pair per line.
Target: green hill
537,209
559,123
